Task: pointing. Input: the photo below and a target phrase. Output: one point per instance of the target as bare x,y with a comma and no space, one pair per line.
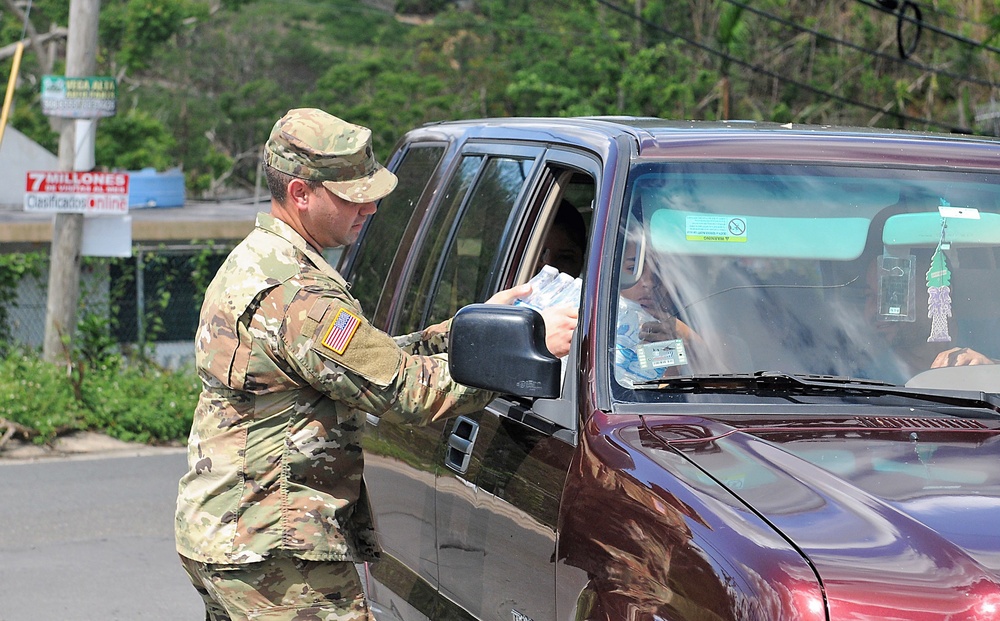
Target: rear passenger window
472,254
422,281
458,254
386,227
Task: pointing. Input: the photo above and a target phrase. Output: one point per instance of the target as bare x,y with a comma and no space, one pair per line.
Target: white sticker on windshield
969,213
715,228
662,354
897,288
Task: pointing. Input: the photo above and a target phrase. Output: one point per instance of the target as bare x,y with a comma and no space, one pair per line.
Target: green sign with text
79,98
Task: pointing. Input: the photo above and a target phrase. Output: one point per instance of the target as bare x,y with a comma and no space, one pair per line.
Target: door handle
460,444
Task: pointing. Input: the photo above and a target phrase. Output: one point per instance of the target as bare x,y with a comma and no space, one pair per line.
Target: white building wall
18,155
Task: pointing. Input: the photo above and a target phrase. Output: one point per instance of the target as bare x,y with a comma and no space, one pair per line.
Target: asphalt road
88,539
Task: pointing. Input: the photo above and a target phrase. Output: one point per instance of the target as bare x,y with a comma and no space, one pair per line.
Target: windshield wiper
776,383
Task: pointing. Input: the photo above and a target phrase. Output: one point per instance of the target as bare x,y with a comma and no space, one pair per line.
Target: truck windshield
871,273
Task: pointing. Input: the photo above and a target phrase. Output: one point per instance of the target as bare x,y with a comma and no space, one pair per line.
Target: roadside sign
79,98
107,236
76,192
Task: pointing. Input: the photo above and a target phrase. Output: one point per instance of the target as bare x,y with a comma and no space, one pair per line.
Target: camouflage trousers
280,589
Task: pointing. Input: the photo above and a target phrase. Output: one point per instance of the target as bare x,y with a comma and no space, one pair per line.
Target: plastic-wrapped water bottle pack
550,287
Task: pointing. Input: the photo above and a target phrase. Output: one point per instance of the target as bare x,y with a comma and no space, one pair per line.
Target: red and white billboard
76,192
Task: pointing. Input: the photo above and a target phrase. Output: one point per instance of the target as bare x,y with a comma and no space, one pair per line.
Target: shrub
37,395
140,403
135,403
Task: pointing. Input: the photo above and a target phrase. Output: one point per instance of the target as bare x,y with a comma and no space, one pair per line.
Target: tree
214,74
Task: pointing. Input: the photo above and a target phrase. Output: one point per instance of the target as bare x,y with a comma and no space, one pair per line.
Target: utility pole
67,228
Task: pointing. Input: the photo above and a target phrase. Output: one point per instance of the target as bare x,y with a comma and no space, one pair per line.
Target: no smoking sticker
715,228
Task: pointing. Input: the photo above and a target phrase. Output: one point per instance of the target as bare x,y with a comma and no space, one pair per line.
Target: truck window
472,253
460,241
562,224
385,229
414,303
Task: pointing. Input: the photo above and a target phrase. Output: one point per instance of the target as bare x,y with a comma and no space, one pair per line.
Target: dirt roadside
82,444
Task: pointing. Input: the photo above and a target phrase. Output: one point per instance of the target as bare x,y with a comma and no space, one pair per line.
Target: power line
930,8
853,46
761,70
27,17
941,31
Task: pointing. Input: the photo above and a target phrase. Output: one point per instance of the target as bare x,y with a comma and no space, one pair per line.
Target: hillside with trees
201,81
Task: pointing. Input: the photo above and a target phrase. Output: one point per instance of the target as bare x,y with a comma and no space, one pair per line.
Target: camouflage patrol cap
311,144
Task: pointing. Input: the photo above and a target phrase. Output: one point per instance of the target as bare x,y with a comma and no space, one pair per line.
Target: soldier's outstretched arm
335,349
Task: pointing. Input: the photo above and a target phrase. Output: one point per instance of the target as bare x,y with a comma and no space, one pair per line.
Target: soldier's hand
507,296
560,322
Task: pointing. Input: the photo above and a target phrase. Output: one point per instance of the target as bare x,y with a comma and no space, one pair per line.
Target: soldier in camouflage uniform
273,512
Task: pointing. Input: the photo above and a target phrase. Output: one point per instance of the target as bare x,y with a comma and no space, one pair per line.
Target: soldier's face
332,221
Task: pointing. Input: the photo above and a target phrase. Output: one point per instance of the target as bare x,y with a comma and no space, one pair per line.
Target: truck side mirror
502,348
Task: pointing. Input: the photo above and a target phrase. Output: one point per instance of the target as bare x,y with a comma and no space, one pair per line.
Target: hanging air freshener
939,292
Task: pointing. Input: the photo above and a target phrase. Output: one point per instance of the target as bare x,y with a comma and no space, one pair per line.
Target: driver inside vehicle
656,339
651,340
565,242
904,348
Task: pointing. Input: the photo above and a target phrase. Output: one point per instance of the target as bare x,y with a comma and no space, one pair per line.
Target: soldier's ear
299,194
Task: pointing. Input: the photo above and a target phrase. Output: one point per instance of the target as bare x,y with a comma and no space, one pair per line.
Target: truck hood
899,517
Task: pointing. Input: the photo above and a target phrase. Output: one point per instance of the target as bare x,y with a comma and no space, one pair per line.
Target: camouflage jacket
289,367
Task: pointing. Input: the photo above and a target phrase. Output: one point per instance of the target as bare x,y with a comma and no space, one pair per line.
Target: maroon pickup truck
782,398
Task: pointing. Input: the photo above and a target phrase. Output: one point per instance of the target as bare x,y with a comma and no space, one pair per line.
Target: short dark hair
277,182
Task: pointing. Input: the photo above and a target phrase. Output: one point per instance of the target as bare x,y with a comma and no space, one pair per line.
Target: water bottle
628,369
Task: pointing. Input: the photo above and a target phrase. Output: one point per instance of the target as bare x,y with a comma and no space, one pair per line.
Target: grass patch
131,402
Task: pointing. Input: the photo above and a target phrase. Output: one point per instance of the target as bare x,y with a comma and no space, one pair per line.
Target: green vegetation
13,268
201,81
106,386
39,401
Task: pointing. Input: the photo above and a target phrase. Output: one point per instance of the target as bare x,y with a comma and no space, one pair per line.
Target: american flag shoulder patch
341,331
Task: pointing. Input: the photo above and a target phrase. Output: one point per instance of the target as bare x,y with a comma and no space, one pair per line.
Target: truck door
503,468
452,262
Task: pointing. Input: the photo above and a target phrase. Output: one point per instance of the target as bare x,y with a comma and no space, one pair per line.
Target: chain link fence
147,304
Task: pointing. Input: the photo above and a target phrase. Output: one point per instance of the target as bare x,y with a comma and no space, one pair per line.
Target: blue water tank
148,188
